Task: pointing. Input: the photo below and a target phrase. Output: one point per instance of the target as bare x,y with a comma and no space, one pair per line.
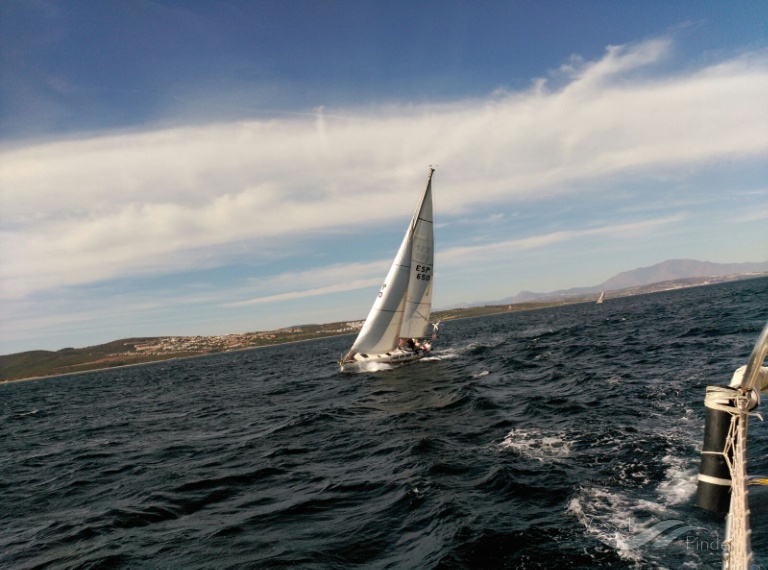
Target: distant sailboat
601,298
395,331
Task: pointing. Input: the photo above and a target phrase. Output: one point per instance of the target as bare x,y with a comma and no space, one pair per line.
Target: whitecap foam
679,484
537,445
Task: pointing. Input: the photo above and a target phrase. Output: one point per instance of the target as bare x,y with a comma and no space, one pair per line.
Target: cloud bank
107,206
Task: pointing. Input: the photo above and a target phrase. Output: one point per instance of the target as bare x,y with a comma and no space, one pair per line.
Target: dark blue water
544,439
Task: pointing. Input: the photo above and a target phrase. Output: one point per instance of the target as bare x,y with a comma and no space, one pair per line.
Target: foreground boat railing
723,480
756,360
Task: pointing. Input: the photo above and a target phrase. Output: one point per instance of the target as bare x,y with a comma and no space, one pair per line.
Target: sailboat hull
362,362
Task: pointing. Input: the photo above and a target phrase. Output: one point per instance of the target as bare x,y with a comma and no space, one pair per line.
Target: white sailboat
396,329
601,298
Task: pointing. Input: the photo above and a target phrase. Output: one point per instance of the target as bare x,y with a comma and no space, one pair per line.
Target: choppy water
545,439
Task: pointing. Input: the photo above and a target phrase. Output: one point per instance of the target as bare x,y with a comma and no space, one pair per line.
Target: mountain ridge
669,270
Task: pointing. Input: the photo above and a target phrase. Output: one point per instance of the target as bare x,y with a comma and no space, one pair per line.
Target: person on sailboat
411,344
423,347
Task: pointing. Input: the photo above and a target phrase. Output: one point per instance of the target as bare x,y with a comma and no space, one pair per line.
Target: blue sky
183,168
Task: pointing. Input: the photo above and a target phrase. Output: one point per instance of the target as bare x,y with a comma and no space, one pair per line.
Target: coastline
170,357
443,316
116,352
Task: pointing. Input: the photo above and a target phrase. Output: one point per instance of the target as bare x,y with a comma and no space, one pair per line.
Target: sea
566,437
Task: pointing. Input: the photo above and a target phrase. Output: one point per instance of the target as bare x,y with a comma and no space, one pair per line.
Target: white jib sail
404,301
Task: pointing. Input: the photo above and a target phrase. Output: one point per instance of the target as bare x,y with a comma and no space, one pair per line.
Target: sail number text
423,272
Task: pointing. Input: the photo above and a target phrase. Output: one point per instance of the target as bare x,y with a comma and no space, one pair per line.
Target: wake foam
373,367
445,354
638,527
679,484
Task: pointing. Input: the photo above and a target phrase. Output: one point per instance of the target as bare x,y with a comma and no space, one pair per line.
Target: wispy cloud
303,294
753,216
351,276
292,285
114,205
489,251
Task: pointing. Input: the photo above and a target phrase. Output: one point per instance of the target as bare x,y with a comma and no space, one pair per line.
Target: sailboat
601,298
397,326
723,481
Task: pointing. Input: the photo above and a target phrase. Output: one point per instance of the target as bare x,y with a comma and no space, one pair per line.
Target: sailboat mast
420,205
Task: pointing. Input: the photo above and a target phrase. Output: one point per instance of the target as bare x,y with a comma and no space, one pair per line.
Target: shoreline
161,360
492,310
441,316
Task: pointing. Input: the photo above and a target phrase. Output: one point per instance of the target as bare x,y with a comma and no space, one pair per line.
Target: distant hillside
679,269
130,351
670,270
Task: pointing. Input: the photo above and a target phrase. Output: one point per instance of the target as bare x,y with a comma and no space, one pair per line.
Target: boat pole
723,480
756,360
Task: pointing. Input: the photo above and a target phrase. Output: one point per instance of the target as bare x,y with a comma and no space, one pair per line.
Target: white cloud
107,206
489,251
303,294
617,59
351,276
313,282
753,216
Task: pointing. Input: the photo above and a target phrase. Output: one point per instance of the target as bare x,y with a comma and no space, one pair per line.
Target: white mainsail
404,302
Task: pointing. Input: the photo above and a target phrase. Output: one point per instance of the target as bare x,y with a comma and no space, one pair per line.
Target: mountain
673,269
670,270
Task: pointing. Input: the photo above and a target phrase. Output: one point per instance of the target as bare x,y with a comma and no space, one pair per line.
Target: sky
213,167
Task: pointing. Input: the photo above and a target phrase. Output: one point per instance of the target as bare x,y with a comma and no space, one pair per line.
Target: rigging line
422,316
